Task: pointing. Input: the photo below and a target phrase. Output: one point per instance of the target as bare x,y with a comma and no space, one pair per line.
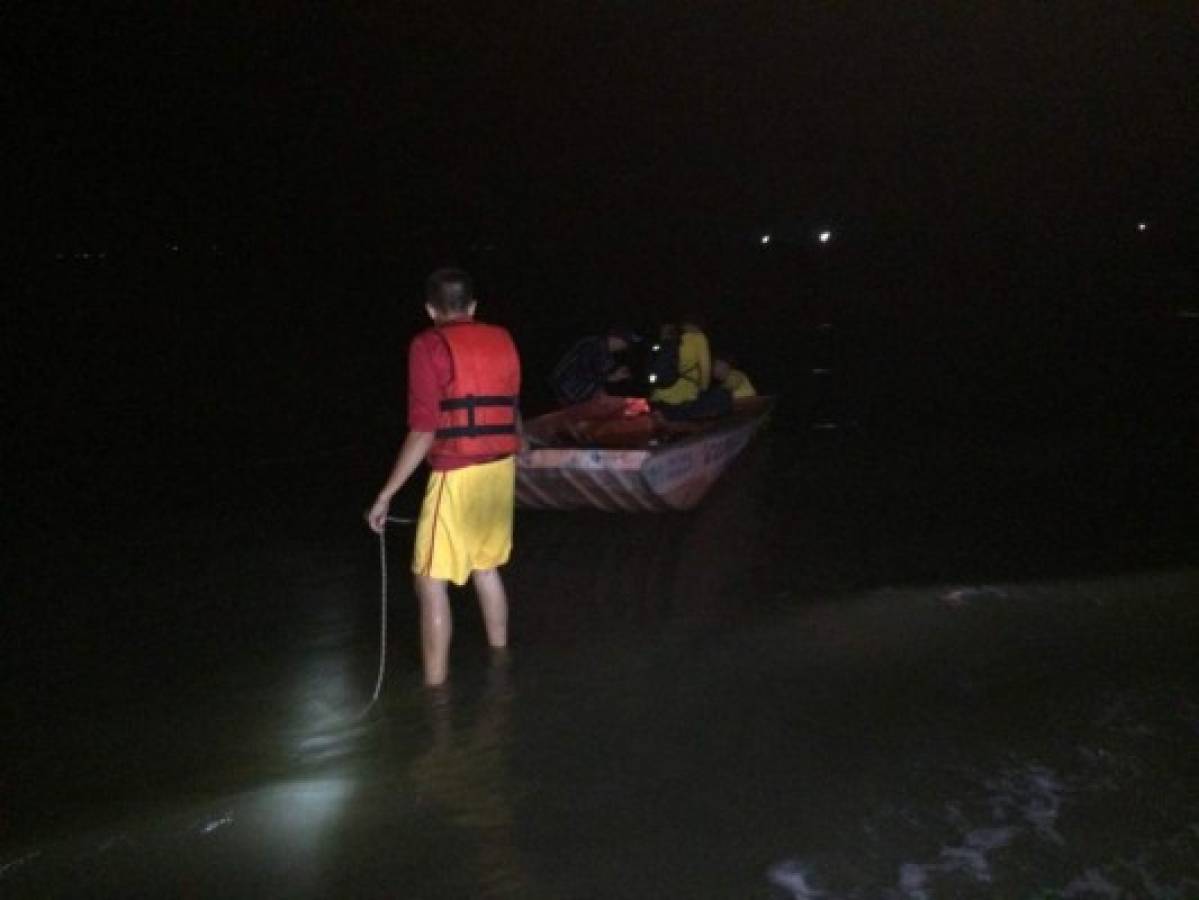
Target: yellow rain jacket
738,384
695,369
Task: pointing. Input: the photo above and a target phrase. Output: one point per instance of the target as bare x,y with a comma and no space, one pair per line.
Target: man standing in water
463,389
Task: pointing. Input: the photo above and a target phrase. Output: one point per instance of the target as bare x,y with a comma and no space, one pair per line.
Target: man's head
620,339
720,369
449,294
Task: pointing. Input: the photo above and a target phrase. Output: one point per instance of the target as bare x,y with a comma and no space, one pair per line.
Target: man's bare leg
493,603
436,627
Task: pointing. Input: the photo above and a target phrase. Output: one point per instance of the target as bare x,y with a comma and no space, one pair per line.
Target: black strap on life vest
470,403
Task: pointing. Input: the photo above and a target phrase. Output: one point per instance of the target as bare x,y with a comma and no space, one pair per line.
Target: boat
614,454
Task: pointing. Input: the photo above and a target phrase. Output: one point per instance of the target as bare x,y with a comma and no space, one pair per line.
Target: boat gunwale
749,415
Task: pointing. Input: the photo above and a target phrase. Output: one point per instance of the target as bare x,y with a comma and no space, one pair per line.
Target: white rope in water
383,608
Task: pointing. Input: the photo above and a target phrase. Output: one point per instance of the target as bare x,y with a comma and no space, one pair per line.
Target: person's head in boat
726,374
618,340
449,296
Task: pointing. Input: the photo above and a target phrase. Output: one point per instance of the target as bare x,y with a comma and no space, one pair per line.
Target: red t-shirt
430,371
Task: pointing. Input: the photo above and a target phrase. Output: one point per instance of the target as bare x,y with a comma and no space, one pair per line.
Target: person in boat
679,392
463,419
590,366
732,379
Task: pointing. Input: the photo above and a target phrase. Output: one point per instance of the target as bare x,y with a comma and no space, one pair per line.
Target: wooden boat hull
661,474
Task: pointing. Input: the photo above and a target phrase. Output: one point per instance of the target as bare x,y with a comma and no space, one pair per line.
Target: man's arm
412,454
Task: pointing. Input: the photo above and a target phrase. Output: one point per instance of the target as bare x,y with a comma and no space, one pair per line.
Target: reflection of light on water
327,700
295,812
282,833
307,807
318,748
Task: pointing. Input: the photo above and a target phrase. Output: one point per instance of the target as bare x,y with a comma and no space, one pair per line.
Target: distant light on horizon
764,239
1142,225
824,237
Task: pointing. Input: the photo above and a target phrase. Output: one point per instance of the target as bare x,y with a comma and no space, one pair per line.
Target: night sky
227,209
361,124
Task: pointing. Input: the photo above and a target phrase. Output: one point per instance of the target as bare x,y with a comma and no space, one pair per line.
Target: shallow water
935,665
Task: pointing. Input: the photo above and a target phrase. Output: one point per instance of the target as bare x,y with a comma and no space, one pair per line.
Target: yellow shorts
466,521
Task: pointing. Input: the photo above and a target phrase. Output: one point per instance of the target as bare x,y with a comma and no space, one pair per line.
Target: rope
383,609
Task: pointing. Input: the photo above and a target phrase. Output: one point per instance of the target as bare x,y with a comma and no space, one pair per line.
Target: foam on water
1022,804
969,858
1033,794
1093,885
213,824
792,876
14,864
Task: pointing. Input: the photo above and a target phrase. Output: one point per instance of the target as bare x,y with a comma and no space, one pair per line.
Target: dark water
920,654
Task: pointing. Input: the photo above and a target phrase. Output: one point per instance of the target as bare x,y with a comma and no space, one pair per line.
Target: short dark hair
449,291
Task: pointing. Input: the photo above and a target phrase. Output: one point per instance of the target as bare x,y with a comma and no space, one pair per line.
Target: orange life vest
478,414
